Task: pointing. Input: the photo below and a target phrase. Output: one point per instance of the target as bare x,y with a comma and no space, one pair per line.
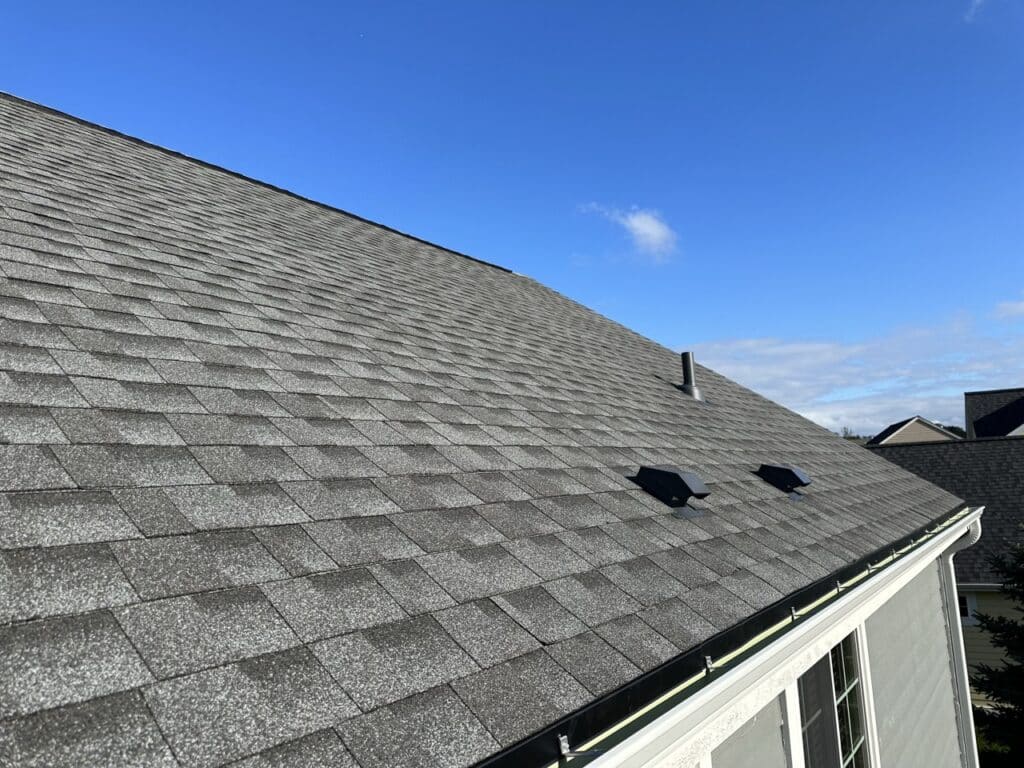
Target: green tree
1001,727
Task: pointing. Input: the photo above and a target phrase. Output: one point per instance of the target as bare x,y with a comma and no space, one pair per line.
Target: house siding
911,676
978,646
916,432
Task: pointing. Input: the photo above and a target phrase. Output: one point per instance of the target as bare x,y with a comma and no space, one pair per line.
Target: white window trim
794,734
860,639
687,734
971,619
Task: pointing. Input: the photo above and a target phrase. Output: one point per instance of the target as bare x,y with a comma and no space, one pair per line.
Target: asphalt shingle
486,632
292,547
544,617
113,730
225,713
327,462
362,540
247,464
214,395
152,512
328,604
381,665
594,663
17,388
637,641
60,580
94,425
235,506
477,572
410,585
28,425
185,634
178,565
51,518
518,519
431,728
322,749
108,466
519,696
47,663
30,467
592,597
446,529
335,499
426,492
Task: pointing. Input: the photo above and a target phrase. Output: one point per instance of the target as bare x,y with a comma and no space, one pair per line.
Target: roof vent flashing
786,478
690,377
673,486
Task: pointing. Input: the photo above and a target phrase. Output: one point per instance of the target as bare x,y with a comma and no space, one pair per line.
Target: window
831,711
968,608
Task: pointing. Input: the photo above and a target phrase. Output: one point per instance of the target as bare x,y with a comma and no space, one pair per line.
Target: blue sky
824,199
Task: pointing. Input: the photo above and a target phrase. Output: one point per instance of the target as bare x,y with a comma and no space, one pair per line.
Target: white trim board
687,733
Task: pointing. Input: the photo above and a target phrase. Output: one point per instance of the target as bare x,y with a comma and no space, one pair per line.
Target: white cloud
870,384
1007,309
650,234
972,10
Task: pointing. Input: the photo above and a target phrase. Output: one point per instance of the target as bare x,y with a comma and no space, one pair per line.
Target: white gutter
688,732
964,713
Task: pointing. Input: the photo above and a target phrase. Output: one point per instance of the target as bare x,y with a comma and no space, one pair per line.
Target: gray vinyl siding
911,676
759,742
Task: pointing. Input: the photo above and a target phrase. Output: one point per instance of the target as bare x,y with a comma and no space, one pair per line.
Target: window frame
970,602
849,698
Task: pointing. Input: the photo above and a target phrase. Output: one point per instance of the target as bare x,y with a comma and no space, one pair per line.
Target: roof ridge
242,176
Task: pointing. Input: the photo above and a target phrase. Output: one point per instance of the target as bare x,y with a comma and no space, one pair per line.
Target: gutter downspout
958,662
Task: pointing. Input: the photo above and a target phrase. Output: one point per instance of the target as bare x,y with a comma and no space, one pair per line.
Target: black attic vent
671,485
785,477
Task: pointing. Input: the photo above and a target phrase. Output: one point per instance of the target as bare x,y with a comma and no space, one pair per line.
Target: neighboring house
916,429
985,471
286,487
994,412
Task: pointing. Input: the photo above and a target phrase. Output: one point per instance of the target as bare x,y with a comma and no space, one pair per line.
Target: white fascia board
684,735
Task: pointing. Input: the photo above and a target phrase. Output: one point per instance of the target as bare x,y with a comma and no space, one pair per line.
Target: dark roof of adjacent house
982,471
280,485
994,412
892,429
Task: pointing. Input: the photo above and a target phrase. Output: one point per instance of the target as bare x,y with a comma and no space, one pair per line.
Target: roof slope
983,471
995,413
279,480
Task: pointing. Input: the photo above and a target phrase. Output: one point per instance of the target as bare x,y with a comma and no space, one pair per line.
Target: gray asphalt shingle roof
285,486
994,412
985,472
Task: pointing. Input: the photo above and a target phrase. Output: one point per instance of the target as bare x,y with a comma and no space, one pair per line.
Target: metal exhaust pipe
690,377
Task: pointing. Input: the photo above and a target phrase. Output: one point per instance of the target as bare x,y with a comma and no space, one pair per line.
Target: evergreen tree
1003,724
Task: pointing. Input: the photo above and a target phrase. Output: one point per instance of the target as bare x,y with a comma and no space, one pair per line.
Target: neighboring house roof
994,413
914,429
983,471
278,478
